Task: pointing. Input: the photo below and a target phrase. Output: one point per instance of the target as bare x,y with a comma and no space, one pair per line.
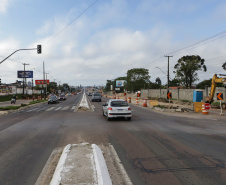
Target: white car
115,108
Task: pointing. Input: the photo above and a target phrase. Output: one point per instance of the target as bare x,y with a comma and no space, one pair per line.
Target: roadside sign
219,96
207,106
169,95
138,94
24,74
37,82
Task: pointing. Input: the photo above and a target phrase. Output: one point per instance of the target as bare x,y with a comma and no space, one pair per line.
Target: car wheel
103,113
129,119
109,119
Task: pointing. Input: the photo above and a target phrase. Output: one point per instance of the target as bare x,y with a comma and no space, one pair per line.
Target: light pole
46,82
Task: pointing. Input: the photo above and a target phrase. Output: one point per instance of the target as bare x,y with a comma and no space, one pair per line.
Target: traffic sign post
220,97
207,106
169,96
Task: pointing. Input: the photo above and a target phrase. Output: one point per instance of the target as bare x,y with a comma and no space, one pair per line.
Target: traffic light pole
39,50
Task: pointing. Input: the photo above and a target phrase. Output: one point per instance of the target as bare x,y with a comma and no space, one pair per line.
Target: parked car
96,97
89,94
62,97
53,99
117,108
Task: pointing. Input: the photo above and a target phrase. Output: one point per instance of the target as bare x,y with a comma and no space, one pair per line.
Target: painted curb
101,167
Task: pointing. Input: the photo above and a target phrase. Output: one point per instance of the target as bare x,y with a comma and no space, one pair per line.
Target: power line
71,22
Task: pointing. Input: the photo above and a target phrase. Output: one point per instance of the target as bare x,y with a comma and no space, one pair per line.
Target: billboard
38,82
120,83
24,74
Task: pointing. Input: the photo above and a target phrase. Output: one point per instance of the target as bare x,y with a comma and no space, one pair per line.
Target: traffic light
39,49
0,81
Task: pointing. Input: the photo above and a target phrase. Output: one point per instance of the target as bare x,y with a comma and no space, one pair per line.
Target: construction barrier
137,101
125,98
204,110
145,103
198,106
129,99
118,97
154,102
114,97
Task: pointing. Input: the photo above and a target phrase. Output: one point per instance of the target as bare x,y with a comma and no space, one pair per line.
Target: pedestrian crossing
49,109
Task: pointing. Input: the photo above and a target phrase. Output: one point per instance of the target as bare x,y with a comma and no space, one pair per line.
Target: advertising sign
24,74
38,82
120,83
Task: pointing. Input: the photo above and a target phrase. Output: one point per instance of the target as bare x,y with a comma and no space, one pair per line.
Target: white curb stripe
101,167
57,174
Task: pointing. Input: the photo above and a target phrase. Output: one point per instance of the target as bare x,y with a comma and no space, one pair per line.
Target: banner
120,83
38,82
24,74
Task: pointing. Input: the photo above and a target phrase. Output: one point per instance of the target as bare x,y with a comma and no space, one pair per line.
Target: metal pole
168,72
46,82
24,76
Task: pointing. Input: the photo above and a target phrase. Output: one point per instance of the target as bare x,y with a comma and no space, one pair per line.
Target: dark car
62,97
96,97
53,99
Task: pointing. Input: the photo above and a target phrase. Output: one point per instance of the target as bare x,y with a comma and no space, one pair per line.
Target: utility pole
168,71
46,82
24,76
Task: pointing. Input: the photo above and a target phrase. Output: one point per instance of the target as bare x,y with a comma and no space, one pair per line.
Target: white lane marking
73,108
32,110
51,108
58,108
65,108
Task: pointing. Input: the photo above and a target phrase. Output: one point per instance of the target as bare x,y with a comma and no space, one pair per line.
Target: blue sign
24,74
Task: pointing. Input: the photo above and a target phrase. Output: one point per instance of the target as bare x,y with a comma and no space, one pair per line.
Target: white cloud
4,5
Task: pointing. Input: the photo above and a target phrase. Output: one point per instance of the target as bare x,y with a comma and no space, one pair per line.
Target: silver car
117,108
96,97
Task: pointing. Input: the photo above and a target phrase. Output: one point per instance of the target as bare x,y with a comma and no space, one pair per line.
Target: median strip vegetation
22,105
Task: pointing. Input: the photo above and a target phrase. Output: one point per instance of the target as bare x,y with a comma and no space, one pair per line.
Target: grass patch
37,101
160,106
186,101
22,105
10,108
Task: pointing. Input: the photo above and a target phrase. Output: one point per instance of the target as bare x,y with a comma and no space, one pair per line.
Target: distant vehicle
96,97
69,94
89,94
13,101
62,97
53,99
117,108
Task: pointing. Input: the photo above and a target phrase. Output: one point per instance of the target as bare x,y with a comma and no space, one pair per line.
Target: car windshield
119,104
52,97
96,94
62,95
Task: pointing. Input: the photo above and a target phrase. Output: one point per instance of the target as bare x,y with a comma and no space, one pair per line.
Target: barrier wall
181,94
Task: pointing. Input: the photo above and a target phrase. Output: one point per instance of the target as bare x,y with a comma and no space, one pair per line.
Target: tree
137,79
174,82
224,66
202,84
187,67
158,81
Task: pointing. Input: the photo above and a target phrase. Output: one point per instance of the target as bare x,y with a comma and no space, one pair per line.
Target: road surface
154,148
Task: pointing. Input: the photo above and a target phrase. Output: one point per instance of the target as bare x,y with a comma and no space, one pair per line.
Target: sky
87,42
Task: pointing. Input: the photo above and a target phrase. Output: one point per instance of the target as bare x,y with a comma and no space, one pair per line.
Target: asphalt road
155,148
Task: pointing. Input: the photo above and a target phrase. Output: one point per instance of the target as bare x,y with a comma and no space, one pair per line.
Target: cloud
4,5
